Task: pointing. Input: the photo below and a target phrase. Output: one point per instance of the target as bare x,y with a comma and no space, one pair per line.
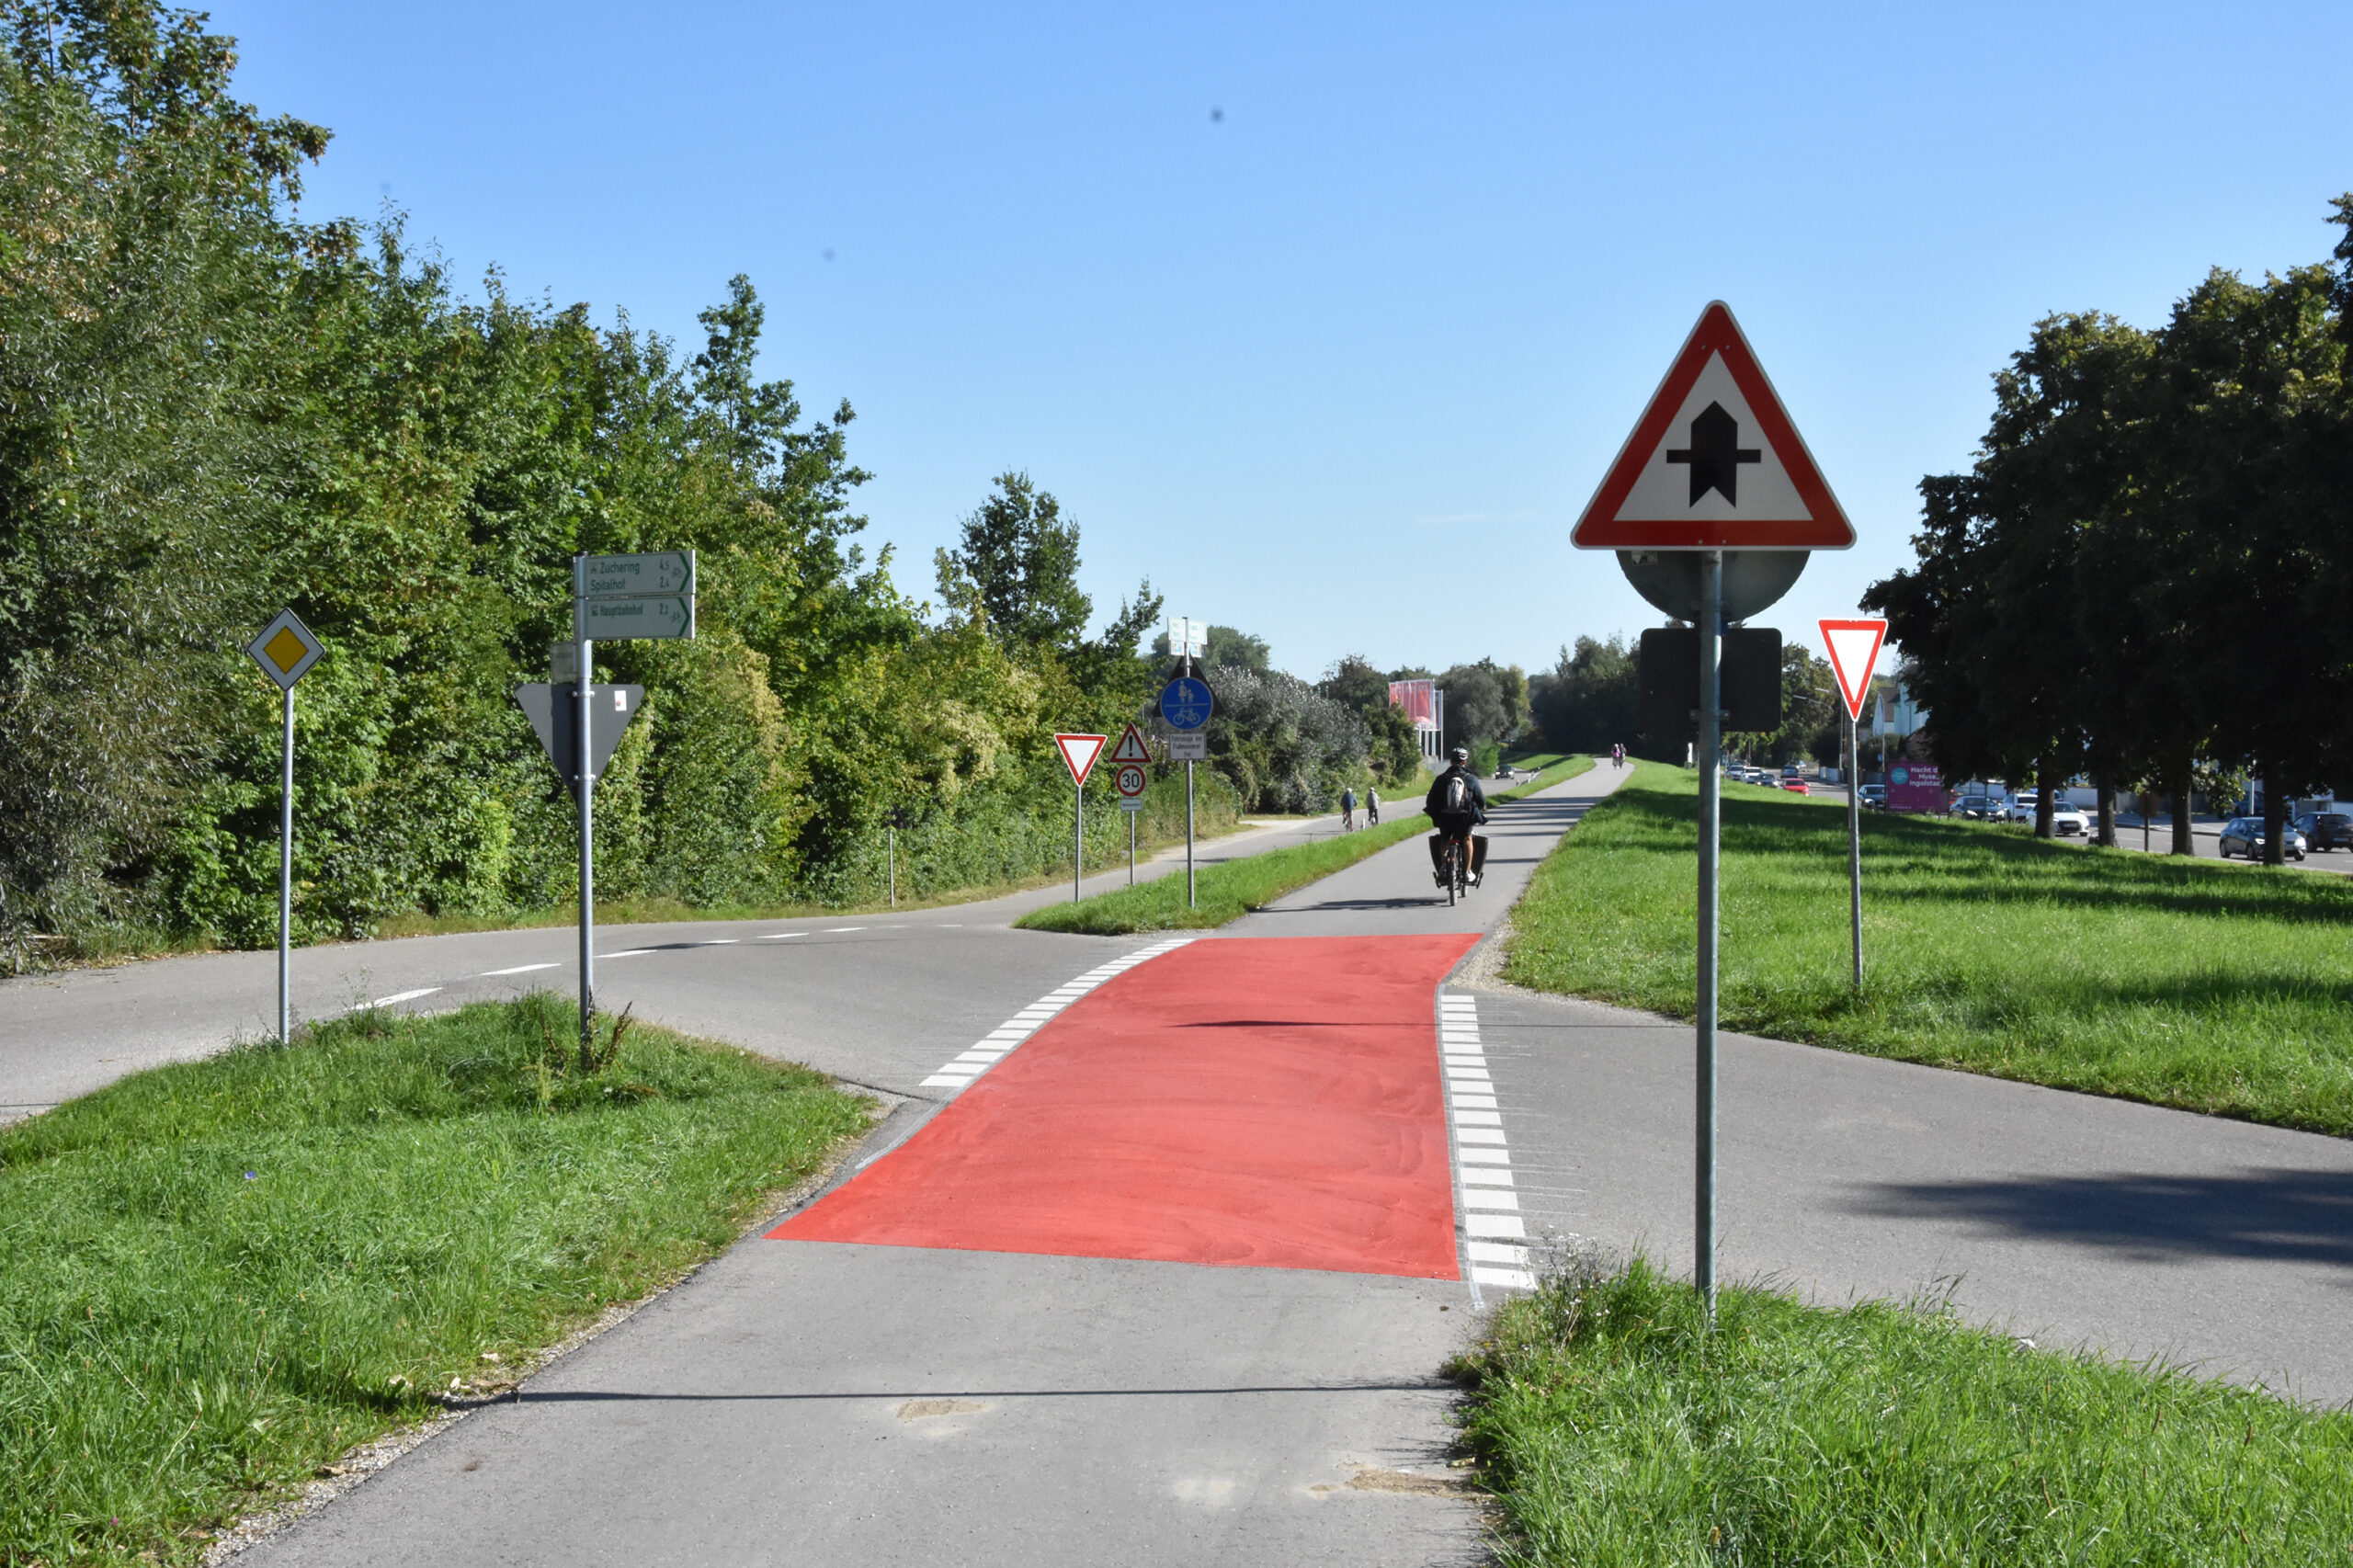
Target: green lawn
215,1277
1617,1433
1231,889
2215,988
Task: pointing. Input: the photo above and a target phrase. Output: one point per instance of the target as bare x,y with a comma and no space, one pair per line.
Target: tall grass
1618,1432
217,1275
2215,988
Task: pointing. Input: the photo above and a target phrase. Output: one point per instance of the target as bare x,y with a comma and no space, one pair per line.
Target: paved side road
66,1034
2069,1218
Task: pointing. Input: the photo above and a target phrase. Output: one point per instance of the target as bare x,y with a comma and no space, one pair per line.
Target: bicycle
1454,869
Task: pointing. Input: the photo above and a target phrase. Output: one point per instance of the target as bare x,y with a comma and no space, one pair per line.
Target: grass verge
216,1277
1616,1431
1231,889
2214,988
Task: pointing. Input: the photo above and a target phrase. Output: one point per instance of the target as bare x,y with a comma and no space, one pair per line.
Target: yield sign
1854,649
1714,462
1131,747
1079,752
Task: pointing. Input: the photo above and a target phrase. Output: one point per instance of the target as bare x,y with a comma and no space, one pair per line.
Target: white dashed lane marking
519,968
403,996
991,1047
778,936
1495,1242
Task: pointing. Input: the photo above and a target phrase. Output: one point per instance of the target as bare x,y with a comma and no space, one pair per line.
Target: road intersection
1157,1255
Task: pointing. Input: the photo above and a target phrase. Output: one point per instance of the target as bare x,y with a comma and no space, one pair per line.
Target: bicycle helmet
1459,753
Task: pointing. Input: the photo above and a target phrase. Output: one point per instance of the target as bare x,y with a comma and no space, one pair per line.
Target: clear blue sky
1328,318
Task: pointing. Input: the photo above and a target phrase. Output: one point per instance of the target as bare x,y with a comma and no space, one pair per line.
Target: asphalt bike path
1161,1272
914,977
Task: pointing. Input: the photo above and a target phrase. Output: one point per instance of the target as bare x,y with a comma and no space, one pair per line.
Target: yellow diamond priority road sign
286,648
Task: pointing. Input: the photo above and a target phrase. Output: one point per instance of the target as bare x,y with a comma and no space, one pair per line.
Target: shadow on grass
2291,1215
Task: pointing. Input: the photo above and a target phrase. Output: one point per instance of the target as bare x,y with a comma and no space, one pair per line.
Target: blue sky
1329,319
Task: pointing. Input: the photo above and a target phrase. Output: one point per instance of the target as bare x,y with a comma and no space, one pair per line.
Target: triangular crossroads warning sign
1854,649
1131,747
1714,462
1079,752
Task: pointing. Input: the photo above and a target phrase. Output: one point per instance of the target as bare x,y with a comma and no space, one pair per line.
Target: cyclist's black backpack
1458,796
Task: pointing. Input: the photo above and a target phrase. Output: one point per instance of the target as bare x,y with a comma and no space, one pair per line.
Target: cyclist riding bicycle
1456,805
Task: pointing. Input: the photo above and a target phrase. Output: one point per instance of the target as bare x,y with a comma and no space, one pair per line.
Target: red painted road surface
1269,1102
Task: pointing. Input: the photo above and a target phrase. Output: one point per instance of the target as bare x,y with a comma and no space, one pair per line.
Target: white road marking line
778,936
625,953
838,930
403,997
519,968
1494,1237
997,1042
719,941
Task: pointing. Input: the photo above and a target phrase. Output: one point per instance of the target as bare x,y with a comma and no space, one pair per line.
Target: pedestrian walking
1348,808
1371,806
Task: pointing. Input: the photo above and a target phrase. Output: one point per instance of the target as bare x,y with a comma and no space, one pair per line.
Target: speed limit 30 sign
1129,781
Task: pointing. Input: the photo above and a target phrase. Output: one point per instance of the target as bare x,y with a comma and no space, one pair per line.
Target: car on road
2243,835
1794,784
1752,776
2326,830
1873,797
2065,818
1976,808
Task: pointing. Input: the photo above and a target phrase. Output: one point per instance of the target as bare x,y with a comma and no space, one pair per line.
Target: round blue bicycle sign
1184,703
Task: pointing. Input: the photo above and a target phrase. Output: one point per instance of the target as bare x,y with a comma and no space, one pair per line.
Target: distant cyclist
1456,805
1348,808
1371,806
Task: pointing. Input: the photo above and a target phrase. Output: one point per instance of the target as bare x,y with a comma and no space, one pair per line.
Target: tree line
2144,576
210,409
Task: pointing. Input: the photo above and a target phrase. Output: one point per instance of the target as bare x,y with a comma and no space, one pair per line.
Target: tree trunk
2275,824
2046,809
2104,827
2182,842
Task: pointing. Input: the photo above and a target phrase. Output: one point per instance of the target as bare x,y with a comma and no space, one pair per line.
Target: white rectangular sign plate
1189,746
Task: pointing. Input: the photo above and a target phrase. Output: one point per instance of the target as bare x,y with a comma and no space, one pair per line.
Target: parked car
2065,818
1792,770
1976,808
1795,784
1873,797
2243,835
1753,776
2326,830
2021,807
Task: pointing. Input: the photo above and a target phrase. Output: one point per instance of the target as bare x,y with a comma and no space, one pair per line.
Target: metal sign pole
1191,899
1078,838
286,872
1132,849
582,689
1855,837
891,857
1711,589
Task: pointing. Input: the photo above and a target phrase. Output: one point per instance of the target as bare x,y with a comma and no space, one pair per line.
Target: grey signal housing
1748,680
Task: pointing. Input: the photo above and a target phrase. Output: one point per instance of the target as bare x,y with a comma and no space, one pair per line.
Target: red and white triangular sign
1714,462
1131,747
1854,649
1079,752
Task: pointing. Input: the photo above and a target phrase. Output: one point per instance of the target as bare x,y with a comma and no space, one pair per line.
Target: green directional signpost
286,650
580,722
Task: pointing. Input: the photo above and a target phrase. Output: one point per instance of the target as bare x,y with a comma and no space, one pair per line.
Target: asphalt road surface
1156,1256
